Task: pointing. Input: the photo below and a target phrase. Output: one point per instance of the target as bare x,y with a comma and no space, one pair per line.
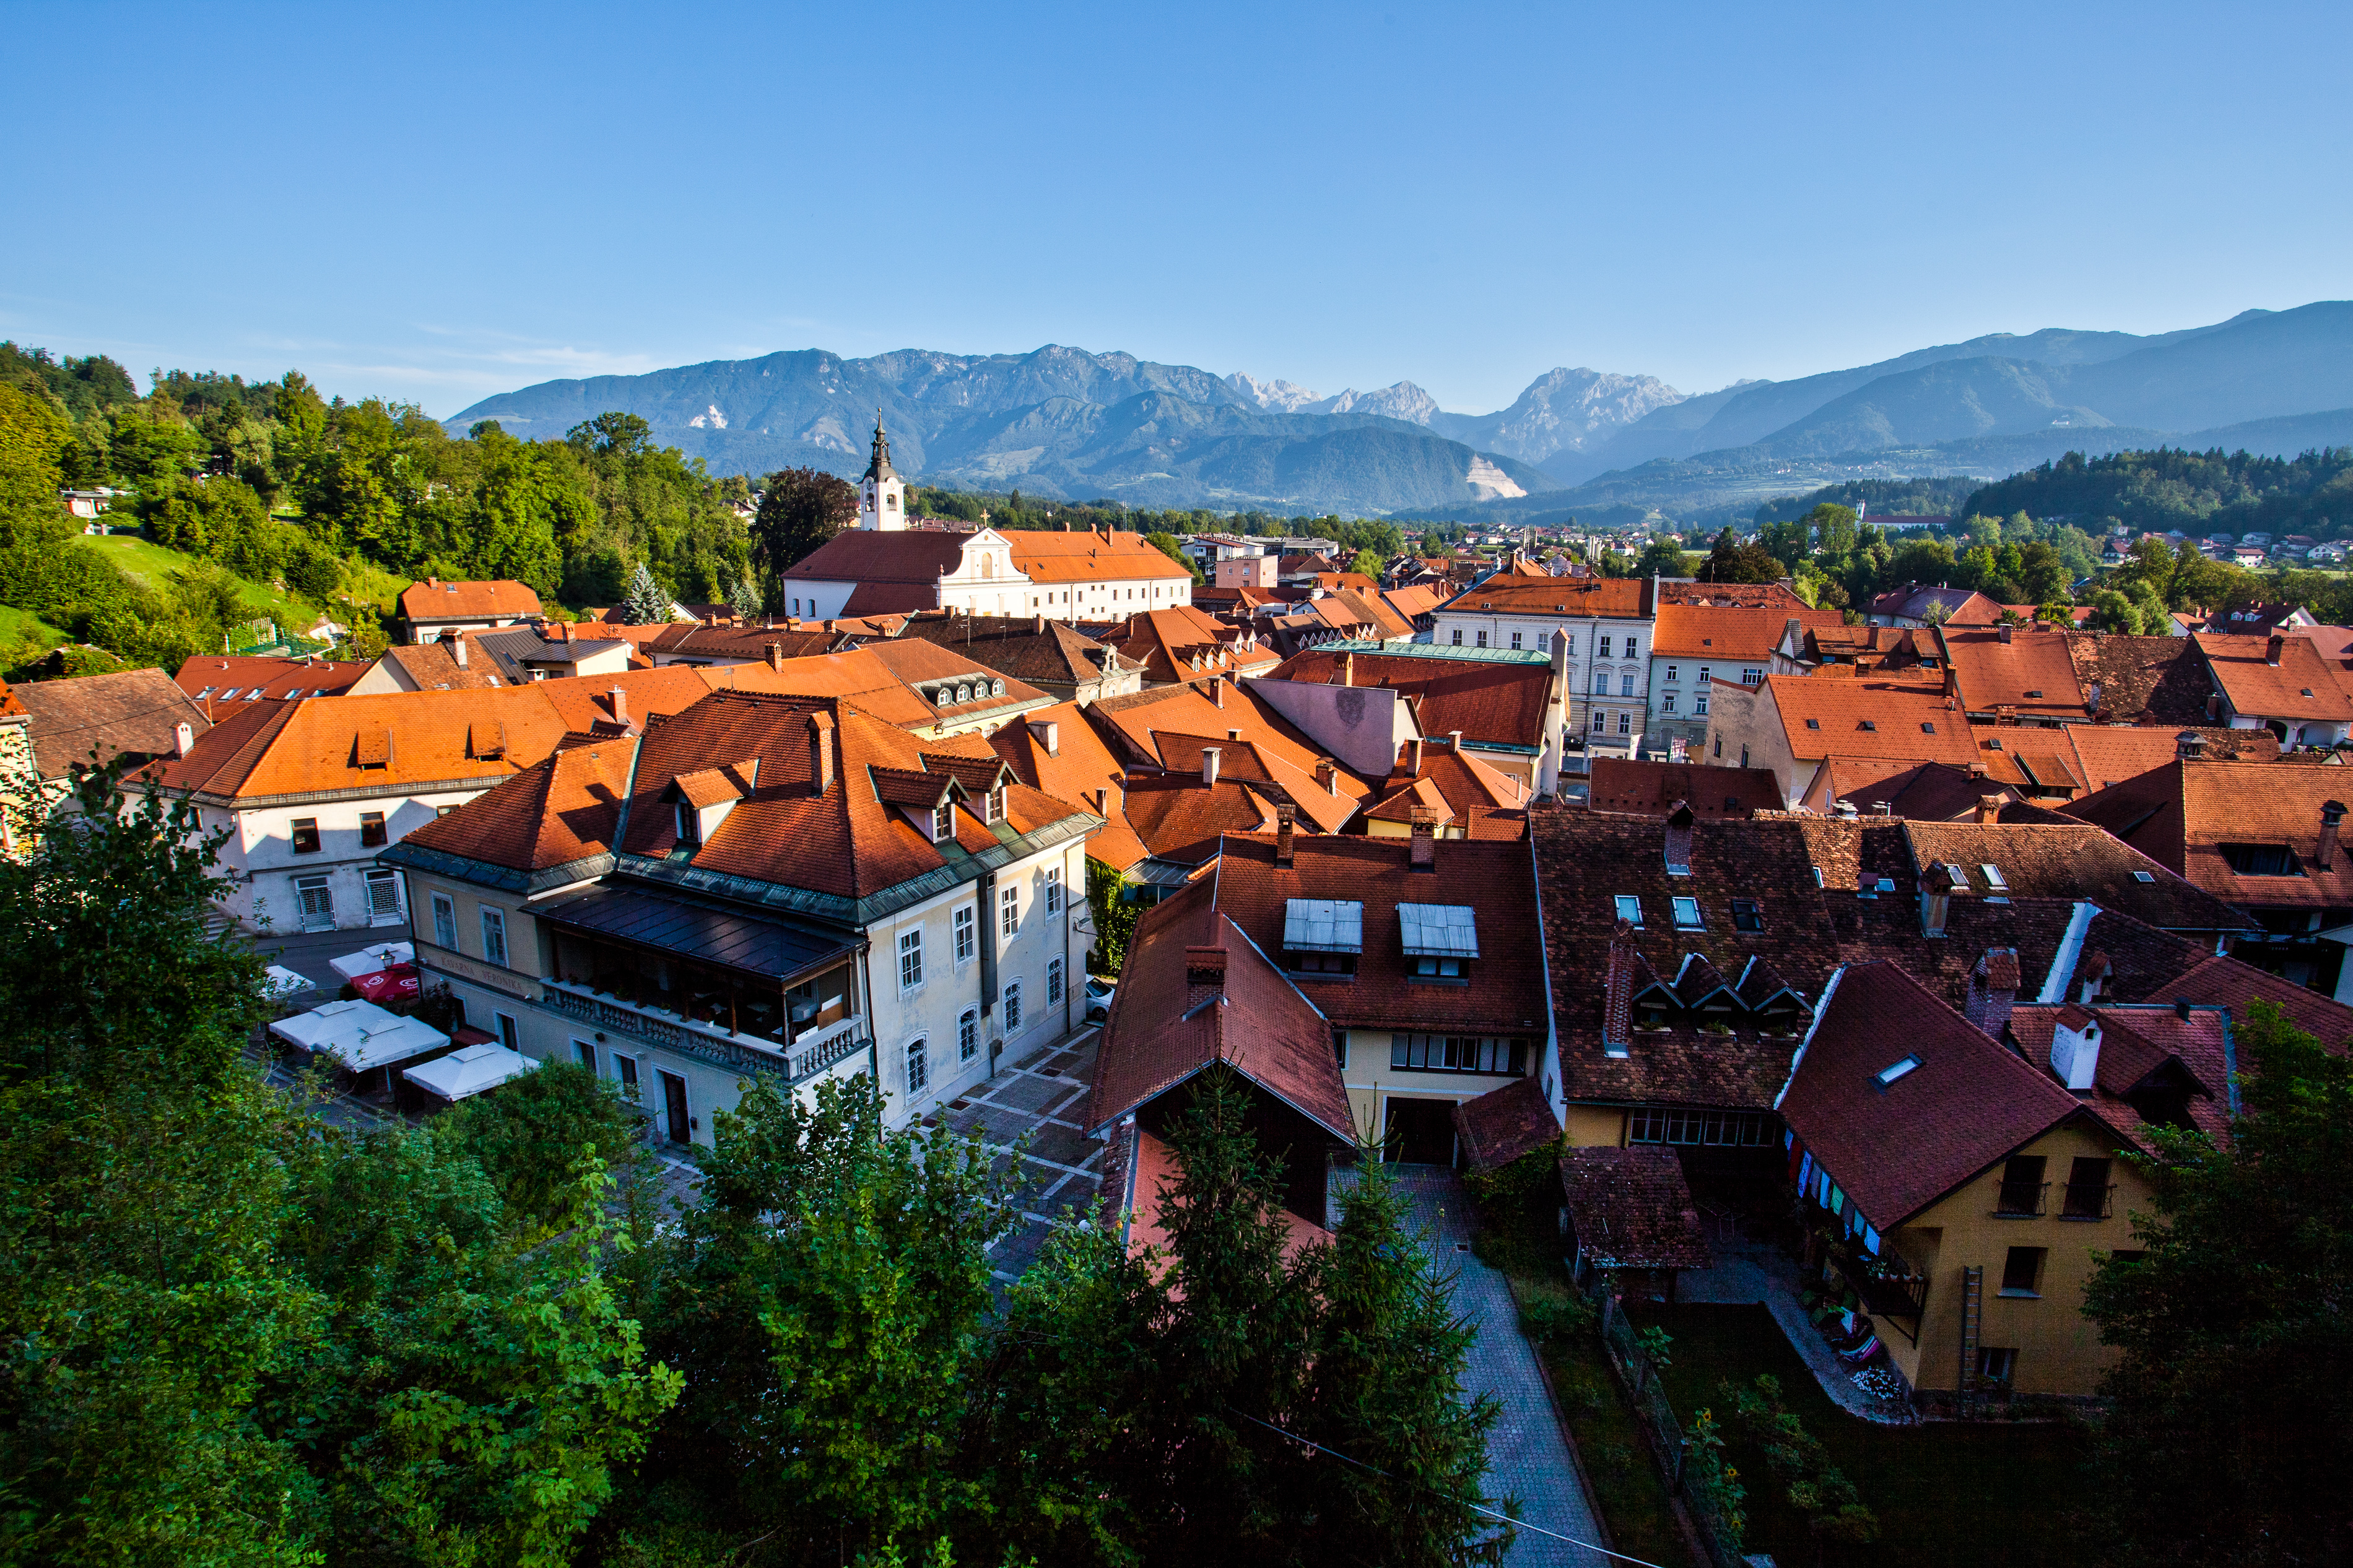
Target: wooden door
674,1109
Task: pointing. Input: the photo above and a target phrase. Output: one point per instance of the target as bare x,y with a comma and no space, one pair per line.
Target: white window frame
371,880
911,960
968,1034
918,1059
318,885
1053,889
444,920
1055,988
495,951
1008,912
1012,1008
966,921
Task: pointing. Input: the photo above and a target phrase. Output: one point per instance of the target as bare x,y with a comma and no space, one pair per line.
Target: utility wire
1479,1508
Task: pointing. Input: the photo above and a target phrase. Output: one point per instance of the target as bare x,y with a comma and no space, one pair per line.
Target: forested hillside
2203,492
273,485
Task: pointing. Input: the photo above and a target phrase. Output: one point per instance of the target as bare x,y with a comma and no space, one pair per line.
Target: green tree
1733,562
1368,564
744,598
2231,1408
1832,527
1168,545
801,509
528,1137
33,436
1662,556
647,605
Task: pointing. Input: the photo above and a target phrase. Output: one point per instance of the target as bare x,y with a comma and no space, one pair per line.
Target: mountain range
1062,422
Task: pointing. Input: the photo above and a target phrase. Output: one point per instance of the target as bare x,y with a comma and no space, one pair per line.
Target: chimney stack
1348,669
2332,812
1204,976
1209,765
1286,817
2094,976
1327,774
1425,839
184,735
1217,686
774,653
1679,839
458,651
1454,739
2076,1053
2181,1008
1988,810
1936,900
1049,735
820,746
620,695
2004,634
1618,993
2188,746
1993,990
2272,649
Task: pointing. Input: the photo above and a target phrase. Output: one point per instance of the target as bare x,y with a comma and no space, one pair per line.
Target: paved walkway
1041,1097
1745,1272
1528,1447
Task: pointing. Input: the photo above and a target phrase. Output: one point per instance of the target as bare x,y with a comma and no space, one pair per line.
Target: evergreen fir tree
647,605
744,598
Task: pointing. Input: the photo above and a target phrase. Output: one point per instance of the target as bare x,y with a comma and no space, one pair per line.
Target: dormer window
683,819
942,822
1322,937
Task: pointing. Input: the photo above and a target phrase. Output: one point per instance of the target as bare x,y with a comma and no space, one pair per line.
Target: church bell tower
882,494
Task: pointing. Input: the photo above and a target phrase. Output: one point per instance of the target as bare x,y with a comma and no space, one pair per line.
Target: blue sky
436,203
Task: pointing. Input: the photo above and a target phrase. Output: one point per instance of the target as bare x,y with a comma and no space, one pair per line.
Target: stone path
1041,1097
1745,1272
1528,1447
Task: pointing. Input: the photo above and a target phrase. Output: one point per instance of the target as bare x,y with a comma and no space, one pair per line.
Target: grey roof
1444,931
739,940
1323,925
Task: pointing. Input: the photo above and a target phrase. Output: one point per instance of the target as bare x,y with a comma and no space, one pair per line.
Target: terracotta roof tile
1080,769
1634,1207
1503,1125
1624,598
2233,983
2304,685
560,810
1652,789
500,597
1729,632
2141,679
2033,672
129,713
2192,817
1851,718
1498,703
278,678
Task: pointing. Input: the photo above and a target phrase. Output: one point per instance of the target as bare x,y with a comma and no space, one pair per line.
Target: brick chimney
2272,649
2093,978
1286,818
1993,990
1216,686
458,651
620,696
774,652
1618,993
1348,669
1204,976
1425,839
1988,810
1327,774
2003,633
821,749
1209,765
2332,812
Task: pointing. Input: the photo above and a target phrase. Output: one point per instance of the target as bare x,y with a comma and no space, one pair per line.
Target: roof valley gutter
1543,959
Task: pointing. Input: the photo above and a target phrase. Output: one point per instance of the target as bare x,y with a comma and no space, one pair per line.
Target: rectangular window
1053,889
1626,685
1340,1049
1686,914
1458,637
306,836
1703,675
1631,651
1482,639
371,828
624,1068
1667,704
1600,720
968,1034
1603,651
383,897
445,921
1704,1128
967,933
2022,1271
1013,1009
508,1035
1671,672
1054,983
2087,1190
2021,1185
494,937
942,822
1008,908
911,960
919,1067
1458,1053
586,1053
1699,705
1746,916
318,903
1751,676
1427,966
1625,723
1995,1364
1515,640
1629,909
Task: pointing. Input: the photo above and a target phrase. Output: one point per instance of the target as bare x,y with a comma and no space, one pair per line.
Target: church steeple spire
880,468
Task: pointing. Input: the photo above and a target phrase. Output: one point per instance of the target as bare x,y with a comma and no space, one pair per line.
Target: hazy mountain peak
1403,400
1279,396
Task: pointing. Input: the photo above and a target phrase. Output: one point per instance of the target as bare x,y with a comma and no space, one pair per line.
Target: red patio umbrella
385,986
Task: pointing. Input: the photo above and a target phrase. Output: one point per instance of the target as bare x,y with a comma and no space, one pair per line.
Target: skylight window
1994,878
1927,726
1687,914
1814,724
1871,724
2144,876
1887,884
1746,916
1895,1070
1629,909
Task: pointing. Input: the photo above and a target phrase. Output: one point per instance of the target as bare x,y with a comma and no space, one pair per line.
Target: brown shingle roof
2183,814
1032,649
1652,789
1464,791
2050,861
279,679
2151,680
917,556
1634,1207
129,713
1503,1125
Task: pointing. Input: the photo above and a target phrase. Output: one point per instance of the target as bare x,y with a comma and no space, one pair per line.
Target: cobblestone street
1041,1098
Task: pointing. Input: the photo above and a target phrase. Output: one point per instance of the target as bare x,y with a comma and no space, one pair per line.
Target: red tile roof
1625,598
1896,1147
2184,815
1503,1125
1080,769
919,556
2303,685
1821,717
1632,1207
1652,789
212,675
1463,792
555,812
1729,632
129,713
2033,672
498,599
1165,1028
1489,701
2229,983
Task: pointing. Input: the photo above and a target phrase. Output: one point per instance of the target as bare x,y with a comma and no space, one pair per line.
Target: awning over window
1322,925
739,940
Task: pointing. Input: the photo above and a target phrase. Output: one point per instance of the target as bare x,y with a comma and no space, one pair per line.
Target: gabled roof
1622,598
434,667
2141,679
1638,788
557,813
271,678
1897,1146
1055,555
1030,648
1911,601
2183,814
1131,726
1080,769
798,640
1726,632
2033,672
1504,992
1462,789
918,556
2303,685
1500,703
1632,1207
131,713
1181,819
1183,644
498,598
1255,1021
2141,1044
903,682
1924,791
1503,1125
2231,983
2069,861
1882,719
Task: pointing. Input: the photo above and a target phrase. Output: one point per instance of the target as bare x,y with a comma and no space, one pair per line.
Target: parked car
1099,995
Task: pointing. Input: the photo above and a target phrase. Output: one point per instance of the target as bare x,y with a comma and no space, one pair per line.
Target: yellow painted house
1971,1179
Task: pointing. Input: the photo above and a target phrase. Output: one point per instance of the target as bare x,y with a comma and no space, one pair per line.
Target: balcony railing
1889,1296
2023,1200
2089,1201
810,1055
